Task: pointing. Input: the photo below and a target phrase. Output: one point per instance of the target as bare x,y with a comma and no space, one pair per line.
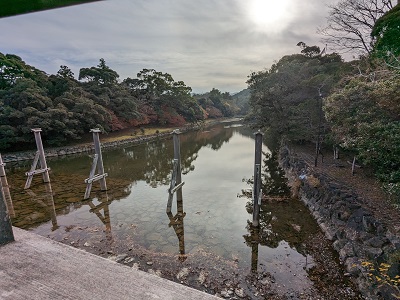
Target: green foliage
364,117
102,74
286,98
217,104
171,100
386,35
65,108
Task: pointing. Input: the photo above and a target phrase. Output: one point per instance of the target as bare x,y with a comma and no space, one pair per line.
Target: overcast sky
207,44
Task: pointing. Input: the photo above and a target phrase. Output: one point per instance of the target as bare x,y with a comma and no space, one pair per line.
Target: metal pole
97,150
6,233
257,178
42,158
5,189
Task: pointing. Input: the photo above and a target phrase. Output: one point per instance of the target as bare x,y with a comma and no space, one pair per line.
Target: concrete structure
34,267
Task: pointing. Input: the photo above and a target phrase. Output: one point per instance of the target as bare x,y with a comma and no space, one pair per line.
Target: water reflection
153,163
176,222
104,204
46,201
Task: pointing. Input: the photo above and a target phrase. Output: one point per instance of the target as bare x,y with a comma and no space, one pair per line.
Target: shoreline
88,147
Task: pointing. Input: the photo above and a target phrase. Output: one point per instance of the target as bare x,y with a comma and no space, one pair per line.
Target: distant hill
241,100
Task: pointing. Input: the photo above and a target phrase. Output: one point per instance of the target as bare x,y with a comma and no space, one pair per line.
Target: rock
86,244
135,266
120,257
202,277
149,263
377,242
239,292
129,260
182,274
347,251
373,253
157,272
226,293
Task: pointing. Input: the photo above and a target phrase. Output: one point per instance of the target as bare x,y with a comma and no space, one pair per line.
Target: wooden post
257,179
6,233
5,189
50,205
39,157
97,164
176,178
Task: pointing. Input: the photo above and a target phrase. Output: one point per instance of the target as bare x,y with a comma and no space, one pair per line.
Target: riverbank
35,267
355,216
112,140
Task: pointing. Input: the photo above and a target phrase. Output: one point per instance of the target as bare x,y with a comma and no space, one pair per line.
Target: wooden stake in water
97,164
257,179
176,178
39,157
5,188
6,233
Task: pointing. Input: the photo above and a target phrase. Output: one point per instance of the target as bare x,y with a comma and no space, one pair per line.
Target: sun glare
269,14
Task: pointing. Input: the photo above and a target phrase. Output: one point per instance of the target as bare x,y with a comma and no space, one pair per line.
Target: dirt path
361,183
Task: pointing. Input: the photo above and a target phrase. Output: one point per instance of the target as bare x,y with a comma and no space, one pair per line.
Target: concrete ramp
34,267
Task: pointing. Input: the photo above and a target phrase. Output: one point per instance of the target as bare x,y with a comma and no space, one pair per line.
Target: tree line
315,96
66,108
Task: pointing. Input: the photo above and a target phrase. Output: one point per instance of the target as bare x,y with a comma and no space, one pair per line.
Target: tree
386,37
309,51
364,117
170,99
350,23
286,98
101,75
65,73
12,67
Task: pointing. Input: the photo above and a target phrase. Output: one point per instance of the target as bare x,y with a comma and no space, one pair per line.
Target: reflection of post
5,189
104,205
254,248
47,202
257,178
176,180
6,233
38,157
50,206
177,223
97,163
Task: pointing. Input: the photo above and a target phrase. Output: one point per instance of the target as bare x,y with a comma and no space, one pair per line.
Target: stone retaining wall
368,250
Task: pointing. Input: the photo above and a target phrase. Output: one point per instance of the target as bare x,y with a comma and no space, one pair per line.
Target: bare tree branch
350,23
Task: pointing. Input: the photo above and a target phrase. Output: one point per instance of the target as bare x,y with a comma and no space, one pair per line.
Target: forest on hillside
317,97
65,108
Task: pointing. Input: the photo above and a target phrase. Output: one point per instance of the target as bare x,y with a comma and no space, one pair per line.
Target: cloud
204,43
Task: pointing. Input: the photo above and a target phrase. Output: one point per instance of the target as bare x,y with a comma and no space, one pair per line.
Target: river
207,241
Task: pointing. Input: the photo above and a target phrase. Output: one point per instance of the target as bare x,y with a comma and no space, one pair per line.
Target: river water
208,232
